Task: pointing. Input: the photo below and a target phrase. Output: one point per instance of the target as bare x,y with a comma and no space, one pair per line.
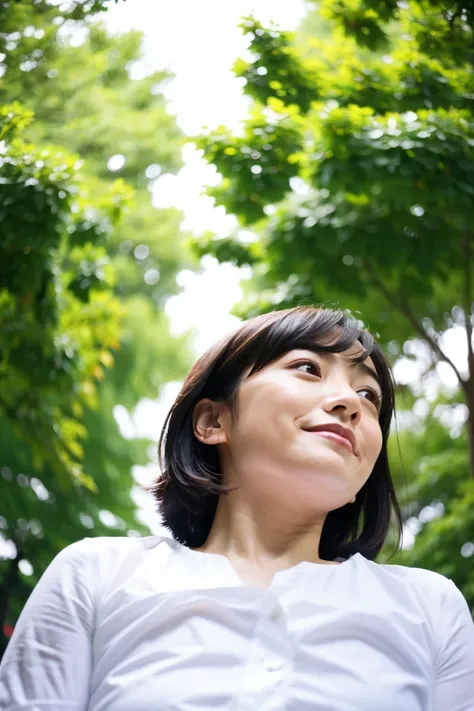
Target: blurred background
167,170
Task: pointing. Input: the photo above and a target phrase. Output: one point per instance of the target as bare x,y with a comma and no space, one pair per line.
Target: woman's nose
347,402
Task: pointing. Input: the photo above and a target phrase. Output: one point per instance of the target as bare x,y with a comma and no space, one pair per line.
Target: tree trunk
469,384
470,423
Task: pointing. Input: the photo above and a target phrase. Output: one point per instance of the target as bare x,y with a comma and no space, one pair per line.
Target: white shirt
127,624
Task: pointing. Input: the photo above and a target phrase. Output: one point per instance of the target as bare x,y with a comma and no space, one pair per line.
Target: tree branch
404,308
468,298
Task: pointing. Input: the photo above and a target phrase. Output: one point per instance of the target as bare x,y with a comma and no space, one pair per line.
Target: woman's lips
335,437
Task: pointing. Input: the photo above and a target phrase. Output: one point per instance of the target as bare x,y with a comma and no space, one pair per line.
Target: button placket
266,683
274,665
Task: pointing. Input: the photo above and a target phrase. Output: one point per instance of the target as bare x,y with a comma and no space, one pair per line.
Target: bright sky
199,42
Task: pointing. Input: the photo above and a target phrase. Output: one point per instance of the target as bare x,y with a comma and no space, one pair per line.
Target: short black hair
190,483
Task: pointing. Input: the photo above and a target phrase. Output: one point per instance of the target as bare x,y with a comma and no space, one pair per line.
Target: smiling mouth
335,438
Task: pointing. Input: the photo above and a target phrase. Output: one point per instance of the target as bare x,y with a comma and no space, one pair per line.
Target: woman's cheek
376,444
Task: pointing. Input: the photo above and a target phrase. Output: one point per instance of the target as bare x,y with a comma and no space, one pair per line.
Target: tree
355,172
88,264
54,279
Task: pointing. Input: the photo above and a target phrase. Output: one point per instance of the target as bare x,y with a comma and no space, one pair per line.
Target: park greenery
353,184
352,181
87,266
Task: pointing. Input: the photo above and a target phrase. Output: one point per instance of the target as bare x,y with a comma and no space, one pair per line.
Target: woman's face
269,447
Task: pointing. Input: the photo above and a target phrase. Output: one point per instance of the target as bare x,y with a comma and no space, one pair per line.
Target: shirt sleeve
454,681
48,661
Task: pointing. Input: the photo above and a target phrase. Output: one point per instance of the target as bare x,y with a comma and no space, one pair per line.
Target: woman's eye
375,397
314,368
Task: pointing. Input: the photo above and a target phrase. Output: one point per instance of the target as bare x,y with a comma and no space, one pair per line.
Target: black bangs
328,331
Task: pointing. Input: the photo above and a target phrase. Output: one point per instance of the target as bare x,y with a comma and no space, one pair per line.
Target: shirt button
272,664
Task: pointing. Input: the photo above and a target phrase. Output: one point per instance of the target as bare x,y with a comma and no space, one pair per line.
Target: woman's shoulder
413,575
432,590
103,546
98,552
408,576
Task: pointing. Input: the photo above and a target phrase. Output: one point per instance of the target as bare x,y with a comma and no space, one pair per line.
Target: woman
277,492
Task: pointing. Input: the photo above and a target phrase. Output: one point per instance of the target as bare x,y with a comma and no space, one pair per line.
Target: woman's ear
209,419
